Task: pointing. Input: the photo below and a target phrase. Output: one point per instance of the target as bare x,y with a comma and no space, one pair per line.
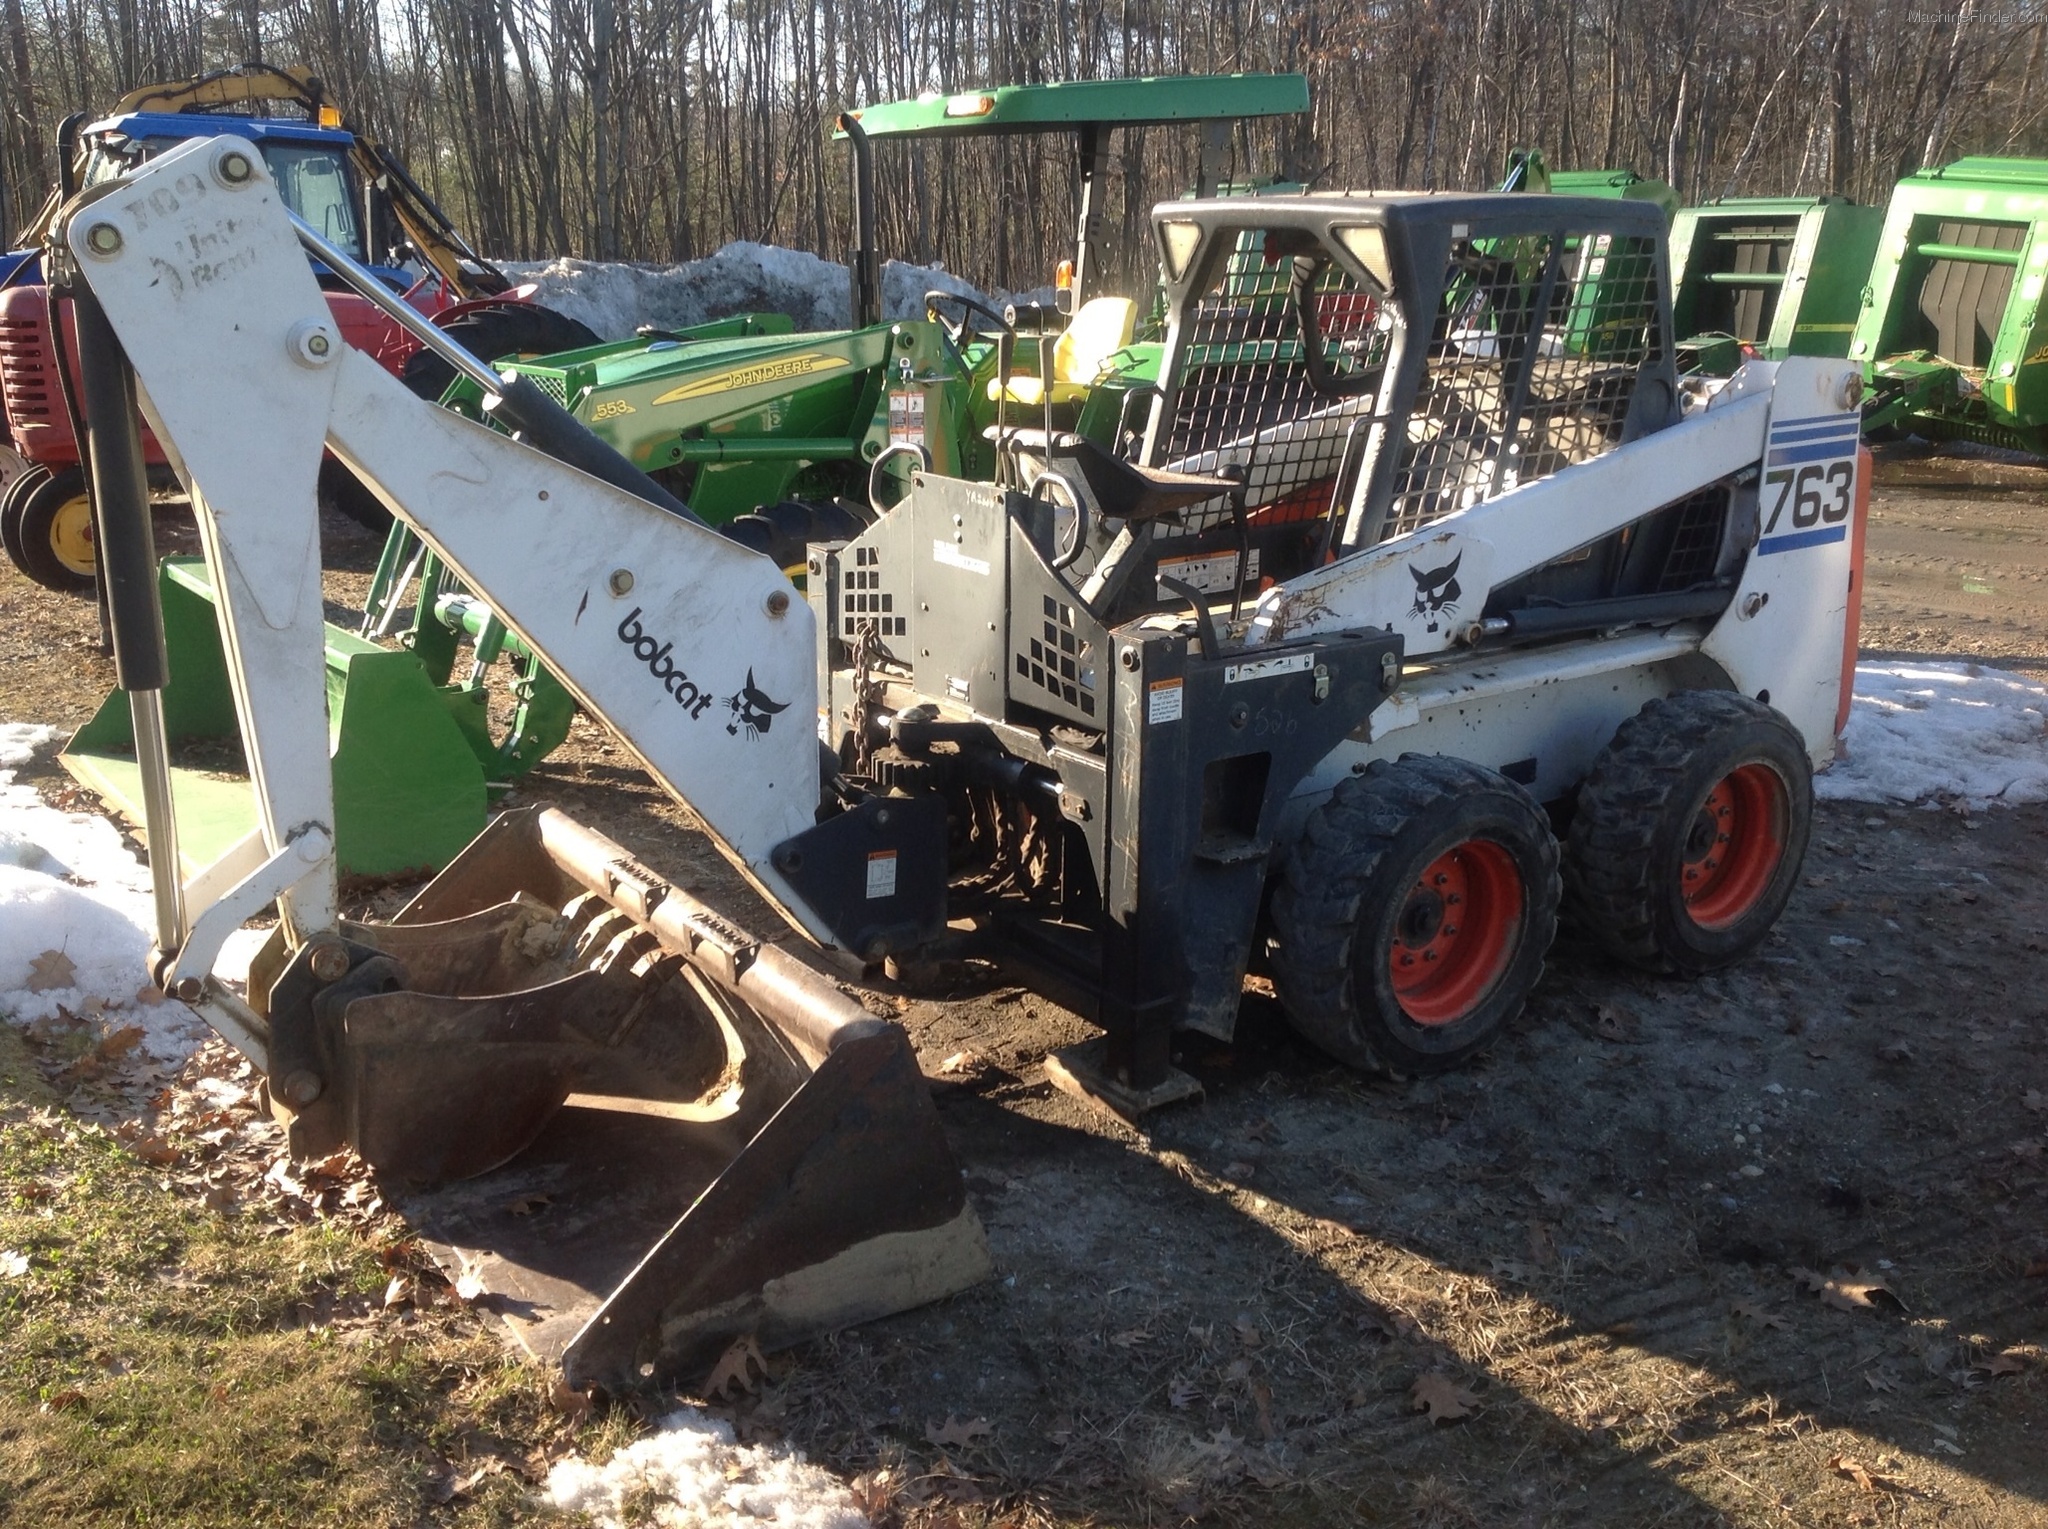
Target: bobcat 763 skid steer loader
1418,564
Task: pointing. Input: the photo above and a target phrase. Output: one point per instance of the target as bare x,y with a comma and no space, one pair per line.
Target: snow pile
615,298
690,1474
1925,731
68,884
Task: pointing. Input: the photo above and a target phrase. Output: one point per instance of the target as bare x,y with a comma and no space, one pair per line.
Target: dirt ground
1767,1248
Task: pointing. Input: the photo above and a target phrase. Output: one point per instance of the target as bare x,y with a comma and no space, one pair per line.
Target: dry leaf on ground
1861,1474
2007,1363
50,971
1442,1397
741,1366
955,1433
13,1265
566,1399
1848,1292
1752,1311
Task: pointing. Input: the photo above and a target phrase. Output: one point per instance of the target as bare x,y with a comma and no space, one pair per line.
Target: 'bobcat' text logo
1436,590
752,709
655,655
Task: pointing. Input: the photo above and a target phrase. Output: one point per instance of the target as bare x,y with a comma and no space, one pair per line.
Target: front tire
1690,831
1414,913
48,529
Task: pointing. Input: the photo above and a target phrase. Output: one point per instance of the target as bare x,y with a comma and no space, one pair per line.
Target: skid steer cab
1414,566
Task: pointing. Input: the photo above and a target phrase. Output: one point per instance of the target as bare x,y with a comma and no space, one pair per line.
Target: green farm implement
1527,170
1949,336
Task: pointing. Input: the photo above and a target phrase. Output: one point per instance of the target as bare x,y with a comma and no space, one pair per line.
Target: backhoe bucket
643,1132
409,787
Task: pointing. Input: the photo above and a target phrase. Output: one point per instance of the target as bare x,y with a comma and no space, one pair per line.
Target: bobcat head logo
1436,590
751,709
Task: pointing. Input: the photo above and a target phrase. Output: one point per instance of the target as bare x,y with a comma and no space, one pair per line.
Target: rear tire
48,530
491,334
1414,913
1689,833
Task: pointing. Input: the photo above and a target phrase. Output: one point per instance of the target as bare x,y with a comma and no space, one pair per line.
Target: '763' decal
1807,506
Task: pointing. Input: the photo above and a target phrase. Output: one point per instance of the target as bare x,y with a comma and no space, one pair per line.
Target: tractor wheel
342,490
1689,832
26,481
493,333
48,529
1413,916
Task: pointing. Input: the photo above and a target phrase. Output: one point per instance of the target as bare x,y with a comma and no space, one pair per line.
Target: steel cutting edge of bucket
642,1131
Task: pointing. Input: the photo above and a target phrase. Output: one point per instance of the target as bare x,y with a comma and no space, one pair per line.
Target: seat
1103,327
1123,491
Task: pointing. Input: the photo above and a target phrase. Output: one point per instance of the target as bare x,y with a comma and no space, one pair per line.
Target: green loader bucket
409,788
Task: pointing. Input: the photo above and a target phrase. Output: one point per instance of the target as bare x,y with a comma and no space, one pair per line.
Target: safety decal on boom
1809,485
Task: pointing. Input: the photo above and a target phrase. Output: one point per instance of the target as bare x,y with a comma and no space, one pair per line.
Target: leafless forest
658,129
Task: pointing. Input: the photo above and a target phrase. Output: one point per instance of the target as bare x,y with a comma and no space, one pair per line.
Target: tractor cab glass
316,183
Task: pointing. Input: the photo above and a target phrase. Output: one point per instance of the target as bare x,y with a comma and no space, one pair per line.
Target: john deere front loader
1951,330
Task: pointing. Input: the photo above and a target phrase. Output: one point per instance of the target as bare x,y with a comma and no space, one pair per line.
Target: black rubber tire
493,333
343,491
10,512
36,518
1644,799
1338,910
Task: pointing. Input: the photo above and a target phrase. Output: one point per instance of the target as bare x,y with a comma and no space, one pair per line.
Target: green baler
1950,332
1770,277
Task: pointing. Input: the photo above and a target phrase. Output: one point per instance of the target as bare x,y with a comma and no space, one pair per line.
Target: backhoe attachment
643,1131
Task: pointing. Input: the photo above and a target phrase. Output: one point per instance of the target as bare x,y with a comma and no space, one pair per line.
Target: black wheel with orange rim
1689,832
1414,913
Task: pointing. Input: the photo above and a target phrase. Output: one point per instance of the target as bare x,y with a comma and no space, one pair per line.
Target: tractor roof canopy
1069,104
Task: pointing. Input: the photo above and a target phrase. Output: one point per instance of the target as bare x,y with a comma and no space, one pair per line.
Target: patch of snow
68,883
1928,731
615,297
691,1474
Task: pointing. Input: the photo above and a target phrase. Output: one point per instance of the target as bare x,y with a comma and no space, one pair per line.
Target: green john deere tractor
750,430
1950,335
